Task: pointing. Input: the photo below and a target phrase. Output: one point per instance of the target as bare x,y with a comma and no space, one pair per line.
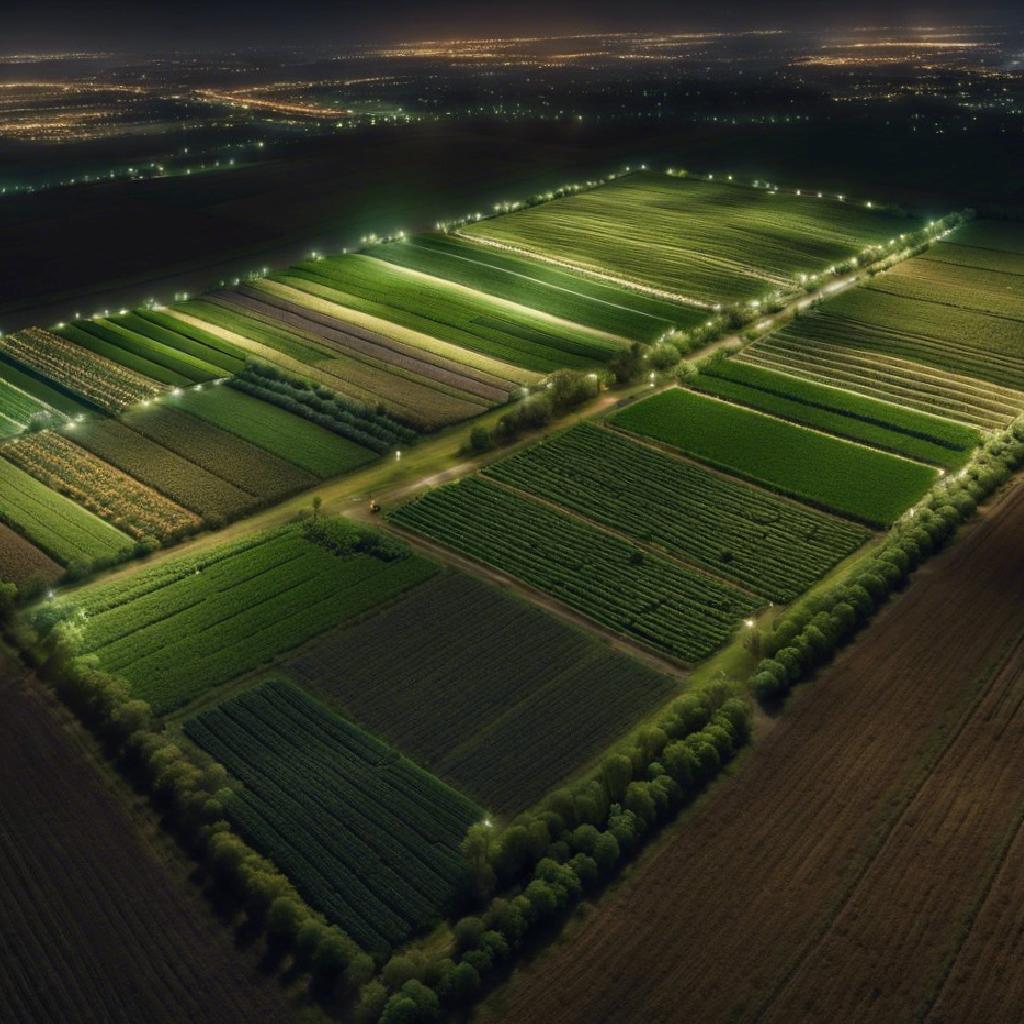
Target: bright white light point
749,623
488,823
176,392
398,456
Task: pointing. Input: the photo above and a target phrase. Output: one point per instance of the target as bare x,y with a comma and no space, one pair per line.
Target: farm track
837,875
94,927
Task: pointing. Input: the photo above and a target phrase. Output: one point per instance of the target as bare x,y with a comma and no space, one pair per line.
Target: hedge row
574,842
190,791
810,634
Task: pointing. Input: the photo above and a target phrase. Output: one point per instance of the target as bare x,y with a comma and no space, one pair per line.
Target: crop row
61,528
855,417
648,598
887,378
995,292
573,297
372,348
955,254
17,407
770,545
165,471
21,561
292,438
865,484
196,625
494,695
371,839
513,334
117,342
240,463
99,380
41,388
108,492
961,341
703,240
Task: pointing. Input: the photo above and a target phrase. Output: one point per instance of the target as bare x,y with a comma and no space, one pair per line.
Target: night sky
134,24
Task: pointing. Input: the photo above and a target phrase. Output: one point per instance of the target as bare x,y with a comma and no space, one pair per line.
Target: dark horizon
120,26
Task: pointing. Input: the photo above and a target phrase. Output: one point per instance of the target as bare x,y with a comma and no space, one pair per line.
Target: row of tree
191,791
546,860
810,634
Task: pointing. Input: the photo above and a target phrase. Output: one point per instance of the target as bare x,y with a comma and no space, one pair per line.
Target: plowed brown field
867,862
93,926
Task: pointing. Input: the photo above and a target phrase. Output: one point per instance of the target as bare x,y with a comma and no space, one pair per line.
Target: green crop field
63,530
369,838
118,341
650,599
855,417
304,444
998,293
1005,237
514,334
543,286
41,388
17,407
124,502
974,257
213,349
21,561
494,695
180,479
189,624
202,359
957,340
771,546
703,240
868,485
249,468
796,351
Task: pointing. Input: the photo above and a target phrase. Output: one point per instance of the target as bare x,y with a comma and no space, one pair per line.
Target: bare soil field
865,863
94,927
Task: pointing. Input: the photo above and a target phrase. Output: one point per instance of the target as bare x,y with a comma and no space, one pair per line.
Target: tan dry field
867,861
94,926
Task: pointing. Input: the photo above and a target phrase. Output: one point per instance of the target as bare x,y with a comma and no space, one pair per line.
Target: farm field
369,838
21,561
100,381
289,437
41,389
69,534
1004,237
877,891
94,927
178,630
710,242
17,407
543,286
651,600
244,465
959,252
368,354
118,343
496,328
795,351
499,698
769,545
121,500
178,478
854,417
871,486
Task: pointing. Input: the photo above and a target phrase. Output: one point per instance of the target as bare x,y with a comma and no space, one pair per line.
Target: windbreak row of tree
535,872
810,634
372,428
189,792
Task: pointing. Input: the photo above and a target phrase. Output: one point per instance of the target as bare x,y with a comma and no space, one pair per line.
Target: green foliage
656,602
389,863
292,438
191,623
709,241
544,286
769,545
855,417
868,485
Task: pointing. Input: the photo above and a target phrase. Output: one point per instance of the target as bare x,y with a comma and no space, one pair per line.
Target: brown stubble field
95,927
863,865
